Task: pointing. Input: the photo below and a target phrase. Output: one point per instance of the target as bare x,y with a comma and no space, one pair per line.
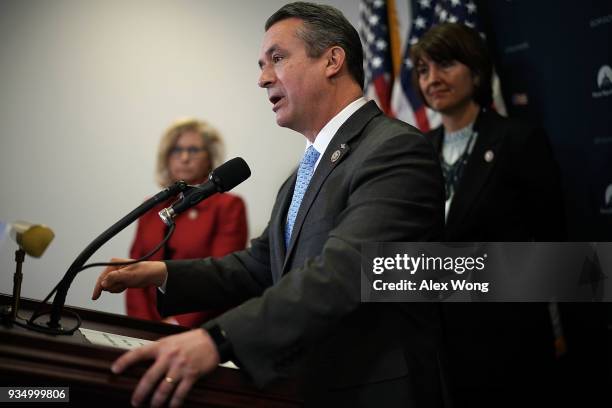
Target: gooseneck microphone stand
54,326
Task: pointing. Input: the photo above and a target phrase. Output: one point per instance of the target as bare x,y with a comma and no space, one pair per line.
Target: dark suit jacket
516,196
301,313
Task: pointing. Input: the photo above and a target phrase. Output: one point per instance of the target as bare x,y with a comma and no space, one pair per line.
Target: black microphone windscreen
230,174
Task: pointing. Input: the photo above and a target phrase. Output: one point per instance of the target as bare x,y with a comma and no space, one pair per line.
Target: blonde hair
211,138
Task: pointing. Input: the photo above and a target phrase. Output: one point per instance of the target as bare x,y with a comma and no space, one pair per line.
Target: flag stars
379,3
381,45
413,40
374,19
443,15
377,62
471,7
455,3
452,19
425,3
408,63
419,22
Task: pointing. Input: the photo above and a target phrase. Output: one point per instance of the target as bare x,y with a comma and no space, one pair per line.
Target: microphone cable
31,323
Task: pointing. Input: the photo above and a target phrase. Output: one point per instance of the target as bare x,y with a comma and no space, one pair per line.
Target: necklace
453,172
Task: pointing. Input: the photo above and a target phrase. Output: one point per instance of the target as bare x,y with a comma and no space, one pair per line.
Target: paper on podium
123,342
113,340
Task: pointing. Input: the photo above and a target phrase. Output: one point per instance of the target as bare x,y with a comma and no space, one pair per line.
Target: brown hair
456,42
324,27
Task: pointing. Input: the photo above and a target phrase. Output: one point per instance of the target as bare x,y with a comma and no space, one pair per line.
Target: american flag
388,74
426,13
380,43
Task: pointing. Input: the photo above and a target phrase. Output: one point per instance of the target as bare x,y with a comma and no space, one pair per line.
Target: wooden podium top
29,358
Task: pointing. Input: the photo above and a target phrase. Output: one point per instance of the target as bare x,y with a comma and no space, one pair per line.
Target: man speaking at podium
363,178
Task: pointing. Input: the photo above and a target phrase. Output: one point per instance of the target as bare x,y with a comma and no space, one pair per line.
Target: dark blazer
516,196
301,313
502,351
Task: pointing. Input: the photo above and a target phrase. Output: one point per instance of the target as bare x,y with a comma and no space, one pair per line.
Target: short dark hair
456,42
324,27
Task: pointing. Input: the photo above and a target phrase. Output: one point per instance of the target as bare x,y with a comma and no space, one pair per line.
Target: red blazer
215,227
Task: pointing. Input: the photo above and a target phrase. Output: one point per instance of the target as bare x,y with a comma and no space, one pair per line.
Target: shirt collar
459,135
326,134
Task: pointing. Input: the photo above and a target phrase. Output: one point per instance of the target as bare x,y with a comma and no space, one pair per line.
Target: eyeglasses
191,151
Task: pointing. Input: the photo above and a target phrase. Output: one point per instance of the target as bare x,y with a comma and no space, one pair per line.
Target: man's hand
179,361
116,279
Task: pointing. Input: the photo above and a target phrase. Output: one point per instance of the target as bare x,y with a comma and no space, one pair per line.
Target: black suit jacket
300,312
513,196
516,196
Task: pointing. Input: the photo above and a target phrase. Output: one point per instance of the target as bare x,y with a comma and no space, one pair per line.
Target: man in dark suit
502,184
364,178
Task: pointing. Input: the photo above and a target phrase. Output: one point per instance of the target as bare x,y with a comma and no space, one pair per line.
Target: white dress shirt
326,134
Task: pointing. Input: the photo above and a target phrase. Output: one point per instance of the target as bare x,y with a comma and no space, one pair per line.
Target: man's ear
335,57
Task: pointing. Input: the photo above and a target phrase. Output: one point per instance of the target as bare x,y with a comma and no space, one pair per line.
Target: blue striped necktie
304,175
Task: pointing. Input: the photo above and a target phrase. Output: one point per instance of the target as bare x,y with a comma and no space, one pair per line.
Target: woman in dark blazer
502,184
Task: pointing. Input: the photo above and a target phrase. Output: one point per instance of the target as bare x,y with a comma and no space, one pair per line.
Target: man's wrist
163,279
224,346
162,274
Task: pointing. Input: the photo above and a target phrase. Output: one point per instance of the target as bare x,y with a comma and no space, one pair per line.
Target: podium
31,359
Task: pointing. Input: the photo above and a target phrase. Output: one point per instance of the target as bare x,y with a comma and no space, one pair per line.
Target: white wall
86,89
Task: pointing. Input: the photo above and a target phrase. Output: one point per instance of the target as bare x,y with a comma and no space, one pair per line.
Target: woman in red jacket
188,151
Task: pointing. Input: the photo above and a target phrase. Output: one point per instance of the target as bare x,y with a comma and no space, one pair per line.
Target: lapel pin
489,156
335,156
193,214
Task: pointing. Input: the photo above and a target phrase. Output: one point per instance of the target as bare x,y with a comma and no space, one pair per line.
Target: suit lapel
277,226
337,150
479,166
436,137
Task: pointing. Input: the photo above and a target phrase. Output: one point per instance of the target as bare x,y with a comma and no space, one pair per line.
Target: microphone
77,265
32,238
222,179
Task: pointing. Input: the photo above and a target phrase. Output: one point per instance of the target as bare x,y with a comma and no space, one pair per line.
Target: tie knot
310,157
